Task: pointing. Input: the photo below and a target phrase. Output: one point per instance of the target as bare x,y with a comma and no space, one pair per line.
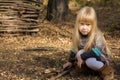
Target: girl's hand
68,64
79,62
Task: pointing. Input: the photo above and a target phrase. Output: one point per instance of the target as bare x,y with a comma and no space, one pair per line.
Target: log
18,30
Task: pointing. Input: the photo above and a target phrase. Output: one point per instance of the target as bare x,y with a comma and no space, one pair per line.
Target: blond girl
89,45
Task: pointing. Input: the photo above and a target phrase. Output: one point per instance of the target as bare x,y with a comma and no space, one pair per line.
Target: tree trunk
57,9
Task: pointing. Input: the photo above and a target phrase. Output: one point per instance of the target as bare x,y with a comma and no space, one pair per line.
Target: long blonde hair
87,15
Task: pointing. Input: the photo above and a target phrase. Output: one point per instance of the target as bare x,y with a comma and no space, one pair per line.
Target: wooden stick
61,74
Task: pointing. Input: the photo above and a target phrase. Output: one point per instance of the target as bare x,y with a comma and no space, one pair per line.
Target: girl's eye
81,23
87,24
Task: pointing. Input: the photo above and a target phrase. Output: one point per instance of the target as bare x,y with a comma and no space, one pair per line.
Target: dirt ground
31,57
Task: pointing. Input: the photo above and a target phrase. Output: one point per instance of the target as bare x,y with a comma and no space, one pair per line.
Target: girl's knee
94,64
80,52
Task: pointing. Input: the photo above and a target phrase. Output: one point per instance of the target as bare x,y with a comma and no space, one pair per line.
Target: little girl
89,45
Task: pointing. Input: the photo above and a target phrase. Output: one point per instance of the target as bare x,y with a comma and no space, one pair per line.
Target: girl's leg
94,64
106,71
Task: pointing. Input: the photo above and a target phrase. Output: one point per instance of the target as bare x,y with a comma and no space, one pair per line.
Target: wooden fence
19,16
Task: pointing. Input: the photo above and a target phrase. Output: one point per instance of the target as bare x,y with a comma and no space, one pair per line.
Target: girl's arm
100,43
97,50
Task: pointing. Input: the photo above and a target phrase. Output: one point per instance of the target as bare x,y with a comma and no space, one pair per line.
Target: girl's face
85,28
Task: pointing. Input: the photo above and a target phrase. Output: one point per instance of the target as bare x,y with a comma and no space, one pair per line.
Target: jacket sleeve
100,44
72,56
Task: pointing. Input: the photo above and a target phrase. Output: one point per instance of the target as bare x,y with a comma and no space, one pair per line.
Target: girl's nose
84,26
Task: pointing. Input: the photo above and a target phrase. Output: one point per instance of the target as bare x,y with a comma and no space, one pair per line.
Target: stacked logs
19,16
